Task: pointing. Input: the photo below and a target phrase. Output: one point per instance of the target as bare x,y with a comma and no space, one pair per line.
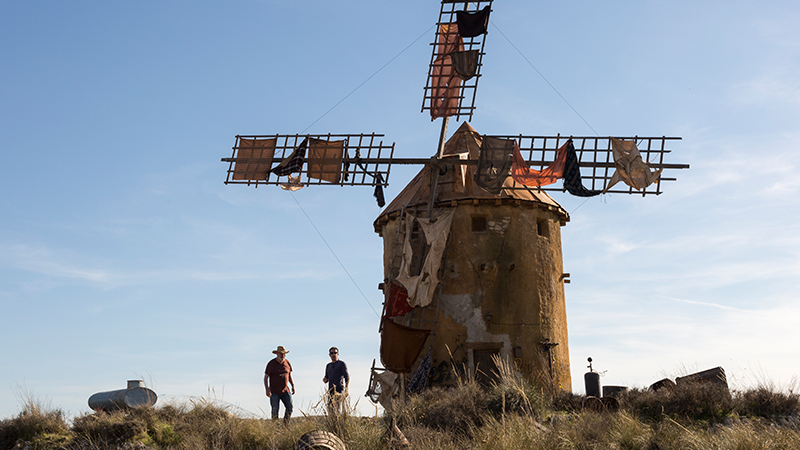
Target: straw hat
281,349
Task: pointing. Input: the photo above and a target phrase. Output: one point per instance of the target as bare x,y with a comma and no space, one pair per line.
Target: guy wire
334,254
368,78
544,78
552,87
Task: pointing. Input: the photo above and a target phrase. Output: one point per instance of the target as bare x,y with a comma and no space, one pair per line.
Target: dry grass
37,423
512,414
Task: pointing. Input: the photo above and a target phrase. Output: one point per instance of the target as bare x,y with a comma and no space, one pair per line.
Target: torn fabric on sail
419,380
524,175
294,183
252,149
494,163
473,24
294,162
421,288
389,386
325,160
572,175
631,169
445,85
397,301
400,346
378,194
465,63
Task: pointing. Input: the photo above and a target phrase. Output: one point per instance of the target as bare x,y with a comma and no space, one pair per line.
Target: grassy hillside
511,415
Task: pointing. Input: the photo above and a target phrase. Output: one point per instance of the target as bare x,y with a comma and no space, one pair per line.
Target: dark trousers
275,401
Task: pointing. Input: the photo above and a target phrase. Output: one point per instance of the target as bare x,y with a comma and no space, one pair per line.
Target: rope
368,78
544,78
334,254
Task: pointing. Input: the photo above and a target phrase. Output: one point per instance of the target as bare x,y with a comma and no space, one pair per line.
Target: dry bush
38,424
765,402
422,437
112,428
706,404
210,426
458,410
699,402
512,394
747,435
515,432
151,426
566,401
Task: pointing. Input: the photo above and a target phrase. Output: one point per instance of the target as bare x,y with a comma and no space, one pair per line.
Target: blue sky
123,255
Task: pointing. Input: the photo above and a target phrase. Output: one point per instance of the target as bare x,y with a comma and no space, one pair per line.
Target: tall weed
37,423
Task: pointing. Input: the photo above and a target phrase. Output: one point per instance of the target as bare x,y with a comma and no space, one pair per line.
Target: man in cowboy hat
277,378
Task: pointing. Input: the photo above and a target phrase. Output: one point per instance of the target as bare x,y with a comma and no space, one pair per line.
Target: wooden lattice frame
367,156
469,88
595,157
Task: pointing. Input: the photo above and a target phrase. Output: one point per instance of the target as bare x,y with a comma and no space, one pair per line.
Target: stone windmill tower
502,283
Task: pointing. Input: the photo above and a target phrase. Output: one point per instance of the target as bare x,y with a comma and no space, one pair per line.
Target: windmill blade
596,160
456,59
293,161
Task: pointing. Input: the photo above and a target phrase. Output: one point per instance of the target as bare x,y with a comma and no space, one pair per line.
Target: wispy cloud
711,305
776,86
103,273
44,261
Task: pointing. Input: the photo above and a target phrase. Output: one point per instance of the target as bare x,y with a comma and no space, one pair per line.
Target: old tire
319,440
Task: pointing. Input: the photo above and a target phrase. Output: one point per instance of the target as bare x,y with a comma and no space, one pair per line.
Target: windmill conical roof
456,185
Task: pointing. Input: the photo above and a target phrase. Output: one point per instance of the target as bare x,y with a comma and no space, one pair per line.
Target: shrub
109,428
708,403
457,410
38,424
765,402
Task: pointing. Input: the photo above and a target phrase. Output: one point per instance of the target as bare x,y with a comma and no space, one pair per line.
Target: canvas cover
473,24
421,288
254,148
445,85
389,387
294,162
397,301
325,160
494,163
465,63
572,175
294,183
631,169
400,346
524,175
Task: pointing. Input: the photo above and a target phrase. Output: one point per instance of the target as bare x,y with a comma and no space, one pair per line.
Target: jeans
274,401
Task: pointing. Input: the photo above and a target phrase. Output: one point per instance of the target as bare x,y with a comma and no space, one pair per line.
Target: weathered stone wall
502,292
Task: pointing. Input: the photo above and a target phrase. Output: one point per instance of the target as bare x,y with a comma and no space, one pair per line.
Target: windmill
472,246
